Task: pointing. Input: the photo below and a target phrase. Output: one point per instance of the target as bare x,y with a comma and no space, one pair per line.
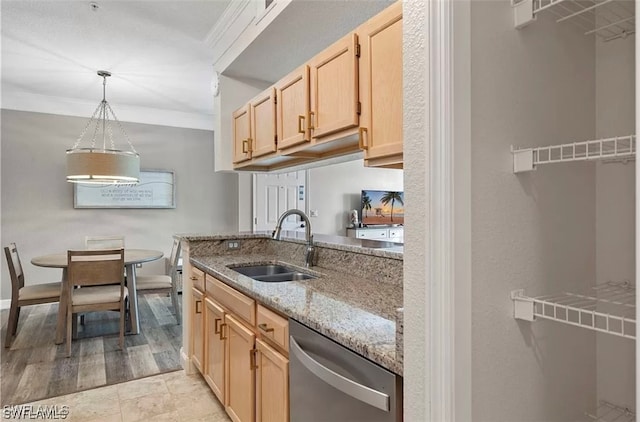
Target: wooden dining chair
22,295
103,242
95,271
164,283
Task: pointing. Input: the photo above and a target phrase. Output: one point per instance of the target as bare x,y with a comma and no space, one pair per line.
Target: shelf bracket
522,159
522,13
522,306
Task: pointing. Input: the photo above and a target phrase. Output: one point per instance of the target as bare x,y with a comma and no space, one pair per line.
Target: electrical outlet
233,244
314,213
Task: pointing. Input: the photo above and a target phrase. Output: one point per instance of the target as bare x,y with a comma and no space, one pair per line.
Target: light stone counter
354,300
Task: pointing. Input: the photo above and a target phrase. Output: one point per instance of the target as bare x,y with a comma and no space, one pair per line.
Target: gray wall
336,189
37,202
535,231
615,210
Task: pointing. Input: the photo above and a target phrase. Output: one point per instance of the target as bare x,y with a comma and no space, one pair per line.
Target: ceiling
156,51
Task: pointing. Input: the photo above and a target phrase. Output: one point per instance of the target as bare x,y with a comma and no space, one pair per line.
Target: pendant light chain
84,131
122,129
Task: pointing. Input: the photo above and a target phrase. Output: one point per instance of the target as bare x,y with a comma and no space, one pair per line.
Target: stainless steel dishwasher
329,383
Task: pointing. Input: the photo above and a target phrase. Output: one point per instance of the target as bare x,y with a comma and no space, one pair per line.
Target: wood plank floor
35,368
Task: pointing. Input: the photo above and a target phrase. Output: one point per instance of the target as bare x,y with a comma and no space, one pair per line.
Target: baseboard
5,303
188,367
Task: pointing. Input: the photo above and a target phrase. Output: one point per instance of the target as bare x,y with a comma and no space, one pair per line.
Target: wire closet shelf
607,19
608,308
621,148
609,412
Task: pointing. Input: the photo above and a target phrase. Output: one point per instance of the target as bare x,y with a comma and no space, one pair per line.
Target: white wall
336,189
536,231
37,202
615,210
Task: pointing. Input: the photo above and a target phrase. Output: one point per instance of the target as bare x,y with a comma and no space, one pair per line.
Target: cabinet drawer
373,234
273,327
197,279
233,300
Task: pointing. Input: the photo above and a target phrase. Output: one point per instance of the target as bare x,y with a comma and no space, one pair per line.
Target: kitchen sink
272,273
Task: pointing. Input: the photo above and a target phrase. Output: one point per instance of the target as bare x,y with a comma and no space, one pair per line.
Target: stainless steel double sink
272,273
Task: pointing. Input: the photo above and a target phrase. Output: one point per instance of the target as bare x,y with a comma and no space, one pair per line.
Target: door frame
437,257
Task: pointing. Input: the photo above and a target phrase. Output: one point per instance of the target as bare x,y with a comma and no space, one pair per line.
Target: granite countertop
356,312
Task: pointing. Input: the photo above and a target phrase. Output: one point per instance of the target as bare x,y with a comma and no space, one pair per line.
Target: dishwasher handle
358,391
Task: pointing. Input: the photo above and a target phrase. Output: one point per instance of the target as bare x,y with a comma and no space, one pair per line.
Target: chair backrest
89,268
15,268
175,257
103,242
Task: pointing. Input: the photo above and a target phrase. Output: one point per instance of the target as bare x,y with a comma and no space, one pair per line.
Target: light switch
314,213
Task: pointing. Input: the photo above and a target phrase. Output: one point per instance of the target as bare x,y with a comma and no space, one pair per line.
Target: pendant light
99,164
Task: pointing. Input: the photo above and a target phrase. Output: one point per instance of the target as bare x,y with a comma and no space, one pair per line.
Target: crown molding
24,101
226,21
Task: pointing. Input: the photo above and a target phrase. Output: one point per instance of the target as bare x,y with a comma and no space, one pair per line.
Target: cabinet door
241,134
197,329
334,88
272,385
381,84
292,116
240,368
214,348
263,124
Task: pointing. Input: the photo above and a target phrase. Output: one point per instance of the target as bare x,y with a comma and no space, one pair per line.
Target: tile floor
173,396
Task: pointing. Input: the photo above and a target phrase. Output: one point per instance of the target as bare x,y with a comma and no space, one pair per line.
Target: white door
274,194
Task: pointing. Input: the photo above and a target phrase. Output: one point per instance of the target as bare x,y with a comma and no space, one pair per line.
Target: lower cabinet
244,364
240,365
215,351
197,329
272,384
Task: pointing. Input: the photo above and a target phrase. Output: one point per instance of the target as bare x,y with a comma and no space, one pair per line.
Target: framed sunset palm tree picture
380,207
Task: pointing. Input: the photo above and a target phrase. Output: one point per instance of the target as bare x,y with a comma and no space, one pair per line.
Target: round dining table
131,258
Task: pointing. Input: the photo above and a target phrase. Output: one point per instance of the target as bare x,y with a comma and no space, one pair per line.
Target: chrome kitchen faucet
308,259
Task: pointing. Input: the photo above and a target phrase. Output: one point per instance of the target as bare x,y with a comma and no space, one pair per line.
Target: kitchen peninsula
355,300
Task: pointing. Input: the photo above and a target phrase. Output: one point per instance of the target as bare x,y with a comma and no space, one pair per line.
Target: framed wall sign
156,189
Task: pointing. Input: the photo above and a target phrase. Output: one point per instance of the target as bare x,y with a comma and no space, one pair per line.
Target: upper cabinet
293,109
263,123
334,88
381,88
346,99
241,135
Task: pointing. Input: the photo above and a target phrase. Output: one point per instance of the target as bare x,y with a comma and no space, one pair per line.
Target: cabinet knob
263,327
245,148
198,310
300,124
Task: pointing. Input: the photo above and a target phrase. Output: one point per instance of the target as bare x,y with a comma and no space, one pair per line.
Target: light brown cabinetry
272,384
334,88
348,98
292,115
263,123
215,350
242,134
381,88
197,328
240,367
245,358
